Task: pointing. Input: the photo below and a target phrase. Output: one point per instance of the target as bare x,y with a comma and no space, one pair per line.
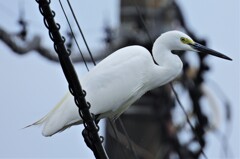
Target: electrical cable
85,63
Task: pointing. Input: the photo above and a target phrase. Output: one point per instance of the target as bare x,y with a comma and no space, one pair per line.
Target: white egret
122,78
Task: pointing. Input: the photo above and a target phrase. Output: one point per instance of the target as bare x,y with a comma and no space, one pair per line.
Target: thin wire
143,22
116,134
80,30
85,63
185,113
128,138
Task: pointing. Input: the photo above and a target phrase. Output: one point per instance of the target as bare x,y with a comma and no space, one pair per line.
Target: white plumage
121,79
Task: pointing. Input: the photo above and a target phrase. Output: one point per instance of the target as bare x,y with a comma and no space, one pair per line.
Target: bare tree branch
24,47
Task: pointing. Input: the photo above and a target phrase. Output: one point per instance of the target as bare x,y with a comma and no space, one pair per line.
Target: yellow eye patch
186,40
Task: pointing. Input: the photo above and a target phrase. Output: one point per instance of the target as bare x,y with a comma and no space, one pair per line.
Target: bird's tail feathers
46,117
37,123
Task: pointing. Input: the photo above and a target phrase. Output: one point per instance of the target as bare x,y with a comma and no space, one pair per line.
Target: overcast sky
30,85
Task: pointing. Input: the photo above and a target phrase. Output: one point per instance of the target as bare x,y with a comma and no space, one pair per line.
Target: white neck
169,65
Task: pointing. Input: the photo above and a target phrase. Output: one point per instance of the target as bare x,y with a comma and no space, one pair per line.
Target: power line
80,30
85,63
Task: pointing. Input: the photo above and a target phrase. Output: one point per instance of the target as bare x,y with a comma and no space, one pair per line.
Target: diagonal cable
188,120
85,63
80,30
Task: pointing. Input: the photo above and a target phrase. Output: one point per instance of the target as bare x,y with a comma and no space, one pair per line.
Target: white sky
30,85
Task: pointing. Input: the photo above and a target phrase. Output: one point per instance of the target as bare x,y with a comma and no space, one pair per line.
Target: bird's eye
183,40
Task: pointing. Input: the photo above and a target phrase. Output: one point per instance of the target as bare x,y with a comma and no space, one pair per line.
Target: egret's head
176,40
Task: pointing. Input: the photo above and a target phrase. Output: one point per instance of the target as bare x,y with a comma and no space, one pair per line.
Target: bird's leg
96,118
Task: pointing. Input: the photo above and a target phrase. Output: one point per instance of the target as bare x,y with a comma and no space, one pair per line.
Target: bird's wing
117,79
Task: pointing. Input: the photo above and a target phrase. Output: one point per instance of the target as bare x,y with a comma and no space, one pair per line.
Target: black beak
200,48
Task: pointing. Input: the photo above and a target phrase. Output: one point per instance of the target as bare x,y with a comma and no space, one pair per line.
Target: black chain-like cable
90,133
